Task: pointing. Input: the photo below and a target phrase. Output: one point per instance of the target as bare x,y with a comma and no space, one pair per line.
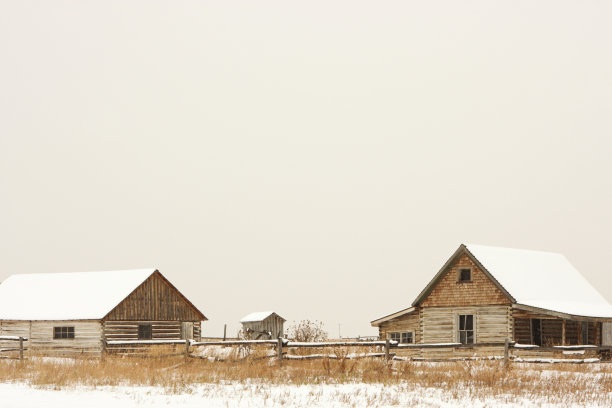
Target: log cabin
262,326
486,294
75,313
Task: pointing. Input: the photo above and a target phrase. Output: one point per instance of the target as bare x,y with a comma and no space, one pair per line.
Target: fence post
103,349
279,349
506,347
20,348
387,347
187,344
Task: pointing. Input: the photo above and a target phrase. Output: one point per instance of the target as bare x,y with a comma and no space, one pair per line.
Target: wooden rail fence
389,349
19,347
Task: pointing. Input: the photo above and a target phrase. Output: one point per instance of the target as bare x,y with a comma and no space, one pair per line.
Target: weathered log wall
492,324
407,323
161,330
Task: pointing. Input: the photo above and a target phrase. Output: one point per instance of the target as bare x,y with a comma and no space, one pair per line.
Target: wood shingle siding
480,291
155,299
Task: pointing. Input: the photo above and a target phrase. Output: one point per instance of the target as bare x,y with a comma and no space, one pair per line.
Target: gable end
155,299
462,251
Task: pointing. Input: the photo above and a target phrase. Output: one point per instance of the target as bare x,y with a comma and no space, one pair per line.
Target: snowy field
259,395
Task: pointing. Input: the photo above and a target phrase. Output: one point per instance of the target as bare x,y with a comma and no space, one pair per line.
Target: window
63,332
402,337
466,329
465,275
145,332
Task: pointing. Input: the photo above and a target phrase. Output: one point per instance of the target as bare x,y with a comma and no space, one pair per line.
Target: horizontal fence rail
387,349
20,347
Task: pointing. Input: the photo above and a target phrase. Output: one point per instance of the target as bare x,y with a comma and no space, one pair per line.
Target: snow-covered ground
254,395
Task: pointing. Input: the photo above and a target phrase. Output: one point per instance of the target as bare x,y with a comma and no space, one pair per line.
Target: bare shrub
307,330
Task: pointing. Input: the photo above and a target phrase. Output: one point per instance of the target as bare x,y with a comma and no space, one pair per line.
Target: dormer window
465,275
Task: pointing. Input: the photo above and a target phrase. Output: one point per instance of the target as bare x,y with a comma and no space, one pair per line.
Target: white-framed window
466,329
402,337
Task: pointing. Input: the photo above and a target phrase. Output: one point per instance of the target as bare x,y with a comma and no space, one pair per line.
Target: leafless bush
307,330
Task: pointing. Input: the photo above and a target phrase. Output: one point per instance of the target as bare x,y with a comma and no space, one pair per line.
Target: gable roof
258,317
67,296
542,280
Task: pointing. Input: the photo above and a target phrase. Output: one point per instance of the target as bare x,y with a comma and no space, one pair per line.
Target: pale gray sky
321,159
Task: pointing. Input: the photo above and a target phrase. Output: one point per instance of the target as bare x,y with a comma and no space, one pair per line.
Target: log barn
262,326
73,313
486,294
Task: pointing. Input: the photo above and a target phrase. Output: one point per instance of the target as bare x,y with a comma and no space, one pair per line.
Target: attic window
63,332
465,275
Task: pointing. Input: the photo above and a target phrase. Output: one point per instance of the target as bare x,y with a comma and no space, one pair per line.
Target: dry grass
561,383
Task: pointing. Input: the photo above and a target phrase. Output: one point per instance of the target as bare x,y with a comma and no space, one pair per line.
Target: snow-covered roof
257,317
543,280
67,296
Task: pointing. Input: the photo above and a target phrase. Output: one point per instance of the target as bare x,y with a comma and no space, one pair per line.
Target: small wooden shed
74,313
262,325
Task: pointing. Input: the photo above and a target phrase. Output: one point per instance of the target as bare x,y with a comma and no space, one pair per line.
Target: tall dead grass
571,383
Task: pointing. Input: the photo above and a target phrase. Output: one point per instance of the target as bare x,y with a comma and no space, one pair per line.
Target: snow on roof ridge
80,272
256,316
542,279
67,295
471,244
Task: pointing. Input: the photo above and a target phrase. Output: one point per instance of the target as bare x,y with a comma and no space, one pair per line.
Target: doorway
536,332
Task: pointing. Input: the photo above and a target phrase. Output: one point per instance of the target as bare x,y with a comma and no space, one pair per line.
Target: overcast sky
319,159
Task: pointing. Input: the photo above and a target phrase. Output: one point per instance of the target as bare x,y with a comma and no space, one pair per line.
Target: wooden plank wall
86,342
606,338
161,330
552,329
19,328
154,300
407,322
259,330
128,330
492,323
13,328
197,331
522,330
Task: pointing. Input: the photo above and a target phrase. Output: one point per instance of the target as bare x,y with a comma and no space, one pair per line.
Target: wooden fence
10,349
508,351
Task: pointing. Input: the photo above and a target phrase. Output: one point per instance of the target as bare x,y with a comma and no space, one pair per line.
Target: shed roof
258,317
67,296
543,280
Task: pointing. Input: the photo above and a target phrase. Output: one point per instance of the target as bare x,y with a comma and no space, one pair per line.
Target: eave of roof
383,319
